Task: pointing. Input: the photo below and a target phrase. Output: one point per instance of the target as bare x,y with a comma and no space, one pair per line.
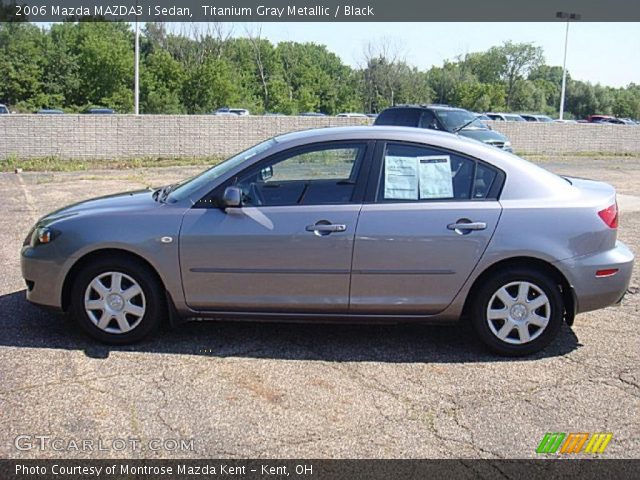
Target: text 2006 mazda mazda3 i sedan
341,224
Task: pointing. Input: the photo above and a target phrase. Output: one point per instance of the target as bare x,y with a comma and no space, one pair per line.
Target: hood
486,136
127,201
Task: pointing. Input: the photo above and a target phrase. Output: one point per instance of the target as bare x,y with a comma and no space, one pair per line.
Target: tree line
77,65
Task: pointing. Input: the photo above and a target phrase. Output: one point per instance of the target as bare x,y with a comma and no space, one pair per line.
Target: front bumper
593,292
44,276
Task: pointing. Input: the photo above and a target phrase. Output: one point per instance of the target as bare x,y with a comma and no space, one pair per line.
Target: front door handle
325,228
465,226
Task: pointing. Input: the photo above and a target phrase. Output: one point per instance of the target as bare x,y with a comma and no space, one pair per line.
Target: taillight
610,215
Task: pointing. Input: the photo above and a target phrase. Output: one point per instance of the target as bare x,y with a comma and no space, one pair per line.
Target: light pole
136,69
568,17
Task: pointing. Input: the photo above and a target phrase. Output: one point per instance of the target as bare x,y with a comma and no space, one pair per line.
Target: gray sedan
340,224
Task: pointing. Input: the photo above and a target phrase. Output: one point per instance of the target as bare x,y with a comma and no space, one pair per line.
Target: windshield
454,119
188,187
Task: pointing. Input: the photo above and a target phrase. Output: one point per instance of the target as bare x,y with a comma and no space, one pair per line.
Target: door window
414,173
320,175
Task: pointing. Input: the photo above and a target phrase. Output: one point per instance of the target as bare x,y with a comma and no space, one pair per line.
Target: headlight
507,144
40,236
44,235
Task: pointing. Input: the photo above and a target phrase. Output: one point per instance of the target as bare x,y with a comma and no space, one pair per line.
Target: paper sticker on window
435,177
401,178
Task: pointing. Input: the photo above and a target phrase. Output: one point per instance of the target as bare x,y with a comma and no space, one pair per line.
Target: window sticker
401,178
435,177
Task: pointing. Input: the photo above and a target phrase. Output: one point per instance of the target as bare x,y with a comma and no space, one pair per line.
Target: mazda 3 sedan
340,224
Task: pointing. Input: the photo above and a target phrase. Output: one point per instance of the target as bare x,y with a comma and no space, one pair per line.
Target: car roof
429,107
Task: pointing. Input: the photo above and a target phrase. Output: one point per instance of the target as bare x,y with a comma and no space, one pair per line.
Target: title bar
321,11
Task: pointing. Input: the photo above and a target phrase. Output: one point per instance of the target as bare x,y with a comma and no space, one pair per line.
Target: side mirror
266,173
232,197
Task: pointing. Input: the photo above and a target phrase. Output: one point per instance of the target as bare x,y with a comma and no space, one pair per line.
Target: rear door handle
462,225
325,228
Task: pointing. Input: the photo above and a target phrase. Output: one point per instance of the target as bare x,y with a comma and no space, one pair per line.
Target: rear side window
414,173
399,117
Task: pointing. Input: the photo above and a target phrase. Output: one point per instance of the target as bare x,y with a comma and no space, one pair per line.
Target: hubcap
115,302
518,312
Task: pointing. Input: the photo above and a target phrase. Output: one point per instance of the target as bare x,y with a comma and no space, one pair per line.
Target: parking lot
304,391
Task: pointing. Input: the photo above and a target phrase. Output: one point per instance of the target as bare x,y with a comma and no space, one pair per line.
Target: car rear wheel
117,301
518,311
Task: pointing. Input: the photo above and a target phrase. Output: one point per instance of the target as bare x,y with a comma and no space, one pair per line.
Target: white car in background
505,117
3,109
232,111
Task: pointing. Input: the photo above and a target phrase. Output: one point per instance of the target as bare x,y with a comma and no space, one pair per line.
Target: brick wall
567,138
129,136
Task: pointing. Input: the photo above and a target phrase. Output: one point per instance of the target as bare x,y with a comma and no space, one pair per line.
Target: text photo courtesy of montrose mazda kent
343,224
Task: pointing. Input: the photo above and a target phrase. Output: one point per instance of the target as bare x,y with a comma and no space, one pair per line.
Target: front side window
414,173
187,188
324,174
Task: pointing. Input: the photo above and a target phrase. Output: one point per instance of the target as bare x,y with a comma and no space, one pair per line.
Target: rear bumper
593,292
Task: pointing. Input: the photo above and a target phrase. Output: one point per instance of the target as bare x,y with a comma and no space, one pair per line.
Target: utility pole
568,16
136,73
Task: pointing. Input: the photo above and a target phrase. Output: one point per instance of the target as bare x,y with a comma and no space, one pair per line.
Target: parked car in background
629,121
372,115
341,224
599,118
49,111
351,115
532,117
100,111
482,117
447,119
231,111
622,121
3,109
312,114
505,117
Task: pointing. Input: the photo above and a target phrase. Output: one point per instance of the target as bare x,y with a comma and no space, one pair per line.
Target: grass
56,164
545,156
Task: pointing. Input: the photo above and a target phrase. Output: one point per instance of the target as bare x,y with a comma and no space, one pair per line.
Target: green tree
105,62
22,63
209,86
161,84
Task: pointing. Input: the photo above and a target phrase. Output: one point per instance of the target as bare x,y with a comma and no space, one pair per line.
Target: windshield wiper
161,194
464,125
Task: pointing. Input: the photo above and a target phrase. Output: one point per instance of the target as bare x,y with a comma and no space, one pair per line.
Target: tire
134,310
539,316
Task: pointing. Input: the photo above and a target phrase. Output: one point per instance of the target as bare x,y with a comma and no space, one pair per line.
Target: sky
606,53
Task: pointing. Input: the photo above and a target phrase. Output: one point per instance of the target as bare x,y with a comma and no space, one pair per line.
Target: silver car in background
342,224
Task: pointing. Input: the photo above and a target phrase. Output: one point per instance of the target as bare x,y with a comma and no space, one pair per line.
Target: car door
428,218
288,248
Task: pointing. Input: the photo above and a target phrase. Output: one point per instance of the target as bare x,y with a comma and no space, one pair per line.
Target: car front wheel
518,311
117,301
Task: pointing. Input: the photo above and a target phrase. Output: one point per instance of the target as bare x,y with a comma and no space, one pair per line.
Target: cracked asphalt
253,390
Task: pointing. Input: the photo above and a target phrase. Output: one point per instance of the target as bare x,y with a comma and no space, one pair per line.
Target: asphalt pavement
221,389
